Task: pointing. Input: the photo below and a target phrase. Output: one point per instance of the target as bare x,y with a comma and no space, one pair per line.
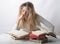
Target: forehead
24,7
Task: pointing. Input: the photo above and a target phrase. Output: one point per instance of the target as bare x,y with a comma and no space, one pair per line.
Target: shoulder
38,17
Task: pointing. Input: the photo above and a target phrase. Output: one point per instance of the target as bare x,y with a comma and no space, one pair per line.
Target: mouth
26,15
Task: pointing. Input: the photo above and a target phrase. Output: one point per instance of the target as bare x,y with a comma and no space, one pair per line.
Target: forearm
46,23
42,28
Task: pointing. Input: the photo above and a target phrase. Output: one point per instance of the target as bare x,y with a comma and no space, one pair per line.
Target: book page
21,32
38,32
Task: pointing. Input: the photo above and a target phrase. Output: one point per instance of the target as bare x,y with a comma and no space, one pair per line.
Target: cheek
22,12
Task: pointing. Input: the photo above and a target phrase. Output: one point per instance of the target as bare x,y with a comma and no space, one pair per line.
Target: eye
23,10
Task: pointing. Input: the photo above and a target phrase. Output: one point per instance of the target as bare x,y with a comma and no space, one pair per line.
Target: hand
21,17
52,34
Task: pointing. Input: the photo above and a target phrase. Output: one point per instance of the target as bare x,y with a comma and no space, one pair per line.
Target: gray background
49,9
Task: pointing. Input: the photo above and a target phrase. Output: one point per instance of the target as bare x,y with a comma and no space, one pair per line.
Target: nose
25,12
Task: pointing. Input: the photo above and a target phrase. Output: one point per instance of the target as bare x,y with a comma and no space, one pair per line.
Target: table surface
6,39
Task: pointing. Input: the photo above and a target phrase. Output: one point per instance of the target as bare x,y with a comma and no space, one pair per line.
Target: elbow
52,28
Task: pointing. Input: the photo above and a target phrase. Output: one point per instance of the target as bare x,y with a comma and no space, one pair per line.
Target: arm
16,27
46,23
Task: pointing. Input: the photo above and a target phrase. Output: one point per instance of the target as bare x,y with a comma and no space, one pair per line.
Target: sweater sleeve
16,27
46,23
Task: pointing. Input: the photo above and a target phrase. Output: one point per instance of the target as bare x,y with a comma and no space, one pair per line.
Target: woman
28,20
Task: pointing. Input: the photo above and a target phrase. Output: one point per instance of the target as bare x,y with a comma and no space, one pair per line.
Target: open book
43,31
21,32
18,33
38,32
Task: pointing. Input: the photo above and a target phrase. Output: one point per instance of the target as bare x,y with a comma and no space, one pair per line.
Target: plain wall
49,9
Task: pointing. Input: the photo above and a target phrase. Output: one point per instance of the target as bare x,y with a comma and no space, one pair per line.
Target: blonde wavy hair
31,18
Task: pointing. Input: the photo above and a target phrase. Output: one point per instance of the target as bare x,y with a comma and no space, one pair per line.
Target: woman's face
25,12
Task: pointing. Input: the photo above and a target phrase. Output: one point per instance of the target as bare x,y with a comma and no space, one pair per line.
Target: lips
25,15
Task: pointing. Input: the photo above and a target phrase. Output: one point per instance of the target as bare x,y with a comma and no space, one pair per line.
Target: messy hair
31,18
